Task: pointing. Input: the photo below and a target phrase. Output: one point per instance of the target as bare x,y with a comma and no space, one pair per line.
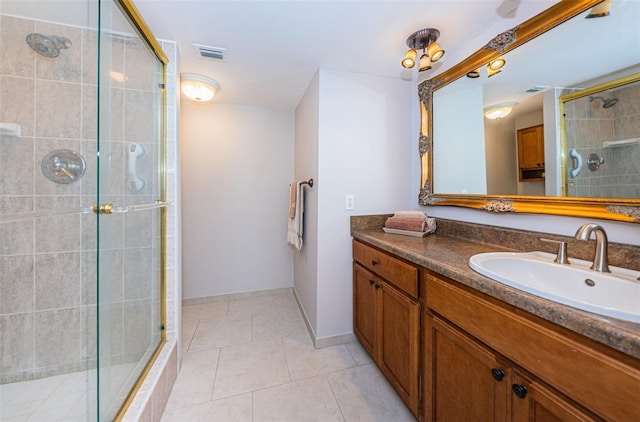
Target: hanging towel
294,228
293,195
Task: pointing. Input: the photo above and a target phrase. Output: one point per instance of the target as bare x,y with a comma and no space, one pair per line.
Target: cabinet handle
519,390
378,286
498,374
371,282
374,262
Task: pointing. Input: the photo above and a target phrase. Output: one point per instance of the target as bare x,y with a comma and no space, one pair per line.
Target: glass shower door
130,193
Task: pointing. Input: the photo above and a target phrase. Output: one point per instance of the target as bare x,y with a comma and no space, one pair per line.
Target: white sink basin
616,294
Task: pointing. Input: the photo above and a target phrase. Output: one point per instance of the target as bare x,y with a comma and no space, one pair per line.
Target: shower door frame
135,18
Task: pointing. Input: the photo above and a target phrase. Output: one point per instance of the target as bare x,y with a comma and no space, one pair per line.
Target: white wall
462,169
236,166
306,167
501,156
365,149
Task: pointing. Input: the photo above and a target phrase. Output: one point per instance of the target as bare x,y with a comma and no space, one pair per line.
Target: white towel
294,228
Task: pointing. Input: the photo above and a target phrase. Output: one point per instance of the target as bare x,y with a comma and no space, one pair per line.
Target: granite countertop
449,256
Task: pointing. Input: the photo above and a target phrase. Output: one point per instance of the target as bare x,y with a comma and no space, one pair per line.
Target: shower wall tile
67,66
16,165
137,273
137,328
58,337
89,57
15,204
20,91
111,267
16,343
16,58
16,284
59,233
66,99
17,238
44,186
57,280
89,182
138,231
139,64
89,332
138,123
89,112
114,103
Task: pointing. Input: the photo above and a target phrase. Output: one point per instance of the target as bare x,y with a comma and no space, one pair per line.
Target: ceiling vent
208,52
538,88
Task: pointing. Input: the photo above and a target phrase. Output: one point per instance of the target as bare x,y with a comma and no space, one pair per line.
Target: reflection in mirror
522,158
602,132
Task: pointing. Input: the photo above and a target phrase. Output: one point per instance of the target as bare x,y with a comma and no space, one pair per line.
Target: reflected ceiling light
600,10
118,76
425,40
494,66
498,111
197,87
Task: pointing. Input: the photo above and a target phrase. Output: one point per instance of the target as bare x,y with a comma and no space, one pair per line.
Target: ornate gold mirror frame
603,208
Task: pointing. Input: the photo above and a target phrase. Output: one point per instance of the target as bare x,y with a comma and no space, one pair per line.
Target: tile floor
253,360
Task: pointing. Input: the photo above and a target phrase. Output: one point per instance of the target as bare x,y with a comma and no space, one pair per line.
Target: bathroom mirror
552,60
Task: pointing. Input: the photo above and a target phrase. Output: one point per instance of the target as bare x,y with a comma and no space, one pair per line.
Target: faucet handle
561,256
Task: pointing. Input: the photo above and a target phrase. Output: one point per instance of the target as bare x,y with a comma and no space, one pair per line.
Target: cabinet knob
498,374
374,262
519,390
378,286
371,282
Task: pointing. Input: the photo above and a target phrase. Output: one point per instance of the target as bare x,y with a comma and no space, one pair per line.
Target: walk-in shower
81,246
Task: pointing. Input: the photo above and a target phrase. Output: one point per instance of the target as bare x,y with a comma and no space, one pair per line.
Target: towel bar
308,182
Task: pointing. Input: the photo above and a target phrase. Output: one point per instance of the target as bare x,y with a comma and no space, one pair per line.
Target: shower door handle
113,209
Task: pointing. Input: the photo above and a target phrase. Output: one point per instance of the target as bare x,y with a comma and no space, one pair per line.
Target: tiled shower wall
48,264
588,125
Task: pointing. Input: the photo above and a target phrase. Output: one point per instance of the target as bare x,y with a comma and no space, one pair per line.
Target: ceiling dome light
498,111
198,88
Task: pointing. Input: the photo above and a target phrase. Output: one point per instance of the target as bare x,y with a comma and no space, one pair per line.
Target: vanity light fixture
498,111
197,87
495,66
425,40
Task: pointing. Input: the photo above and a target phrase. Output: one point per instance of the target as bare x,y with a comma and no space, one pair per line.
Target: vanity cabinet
531,153
485,360
386,317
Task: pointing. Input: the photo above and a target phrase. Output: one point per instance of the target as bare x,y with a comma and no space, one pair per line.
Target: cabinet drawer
402,275
599,382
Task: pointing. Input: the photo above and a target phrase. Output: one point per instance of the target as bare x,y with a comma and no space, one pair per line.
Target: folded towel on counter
411,224
414,215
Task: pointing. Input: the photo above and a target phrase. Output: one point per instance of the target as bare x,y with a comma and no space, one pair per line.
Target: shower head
48,46
606,102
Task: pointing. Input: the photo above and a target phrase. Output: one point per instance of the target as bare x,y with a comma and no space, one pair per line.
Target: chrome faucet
600,261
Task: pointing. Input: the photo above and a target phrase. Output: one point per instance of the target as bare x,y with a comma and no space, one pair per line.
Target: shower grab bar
98,209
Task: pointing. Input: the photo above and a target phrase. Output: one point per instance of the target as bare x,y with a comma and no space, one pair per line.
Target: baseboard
235,296
322,342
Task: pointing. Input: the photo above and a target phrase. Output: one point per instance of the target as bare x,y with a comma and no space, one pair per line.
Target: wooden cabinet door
399,346
531,147
533,402
365,309
464,380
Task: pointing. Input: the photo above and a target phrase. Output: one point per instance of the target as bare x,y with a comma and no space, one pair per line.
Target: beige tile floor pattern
252,360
